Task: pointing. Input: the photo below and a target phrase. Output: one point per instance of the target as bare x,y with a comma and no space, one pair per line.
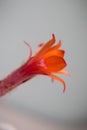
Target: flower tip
68,74
64,86
53,37
27,44
60,43
64,89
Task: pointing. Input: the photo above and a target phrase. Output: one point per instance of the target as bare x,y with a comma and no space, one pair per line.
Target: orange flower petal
45,47
59,53
55,47
54,63
64,72
41,45
59,79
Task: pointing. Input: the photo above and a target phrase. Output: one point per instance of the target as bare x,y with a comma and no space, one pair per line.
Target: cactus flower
48,61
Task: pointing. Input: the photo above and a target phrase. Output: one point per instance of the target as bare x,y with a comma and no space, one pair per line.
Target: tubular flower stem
48,60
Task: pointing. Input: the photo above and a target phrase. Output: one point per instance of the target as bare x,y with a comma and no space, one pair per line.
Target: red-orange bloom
47,61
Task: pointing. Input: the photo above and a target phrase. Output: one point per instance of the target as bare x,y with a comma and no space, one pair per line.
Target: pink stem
16,78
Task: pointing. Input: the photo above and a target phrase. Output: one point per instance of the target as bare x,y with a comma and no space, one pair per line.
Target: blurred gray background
34,22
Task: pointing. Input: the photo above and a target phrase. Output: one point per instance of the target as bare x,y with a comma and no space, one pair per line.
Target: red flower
47,61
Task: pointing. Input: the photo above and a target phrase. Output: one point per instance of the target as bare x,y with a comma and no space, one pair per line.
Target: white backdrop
35,21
